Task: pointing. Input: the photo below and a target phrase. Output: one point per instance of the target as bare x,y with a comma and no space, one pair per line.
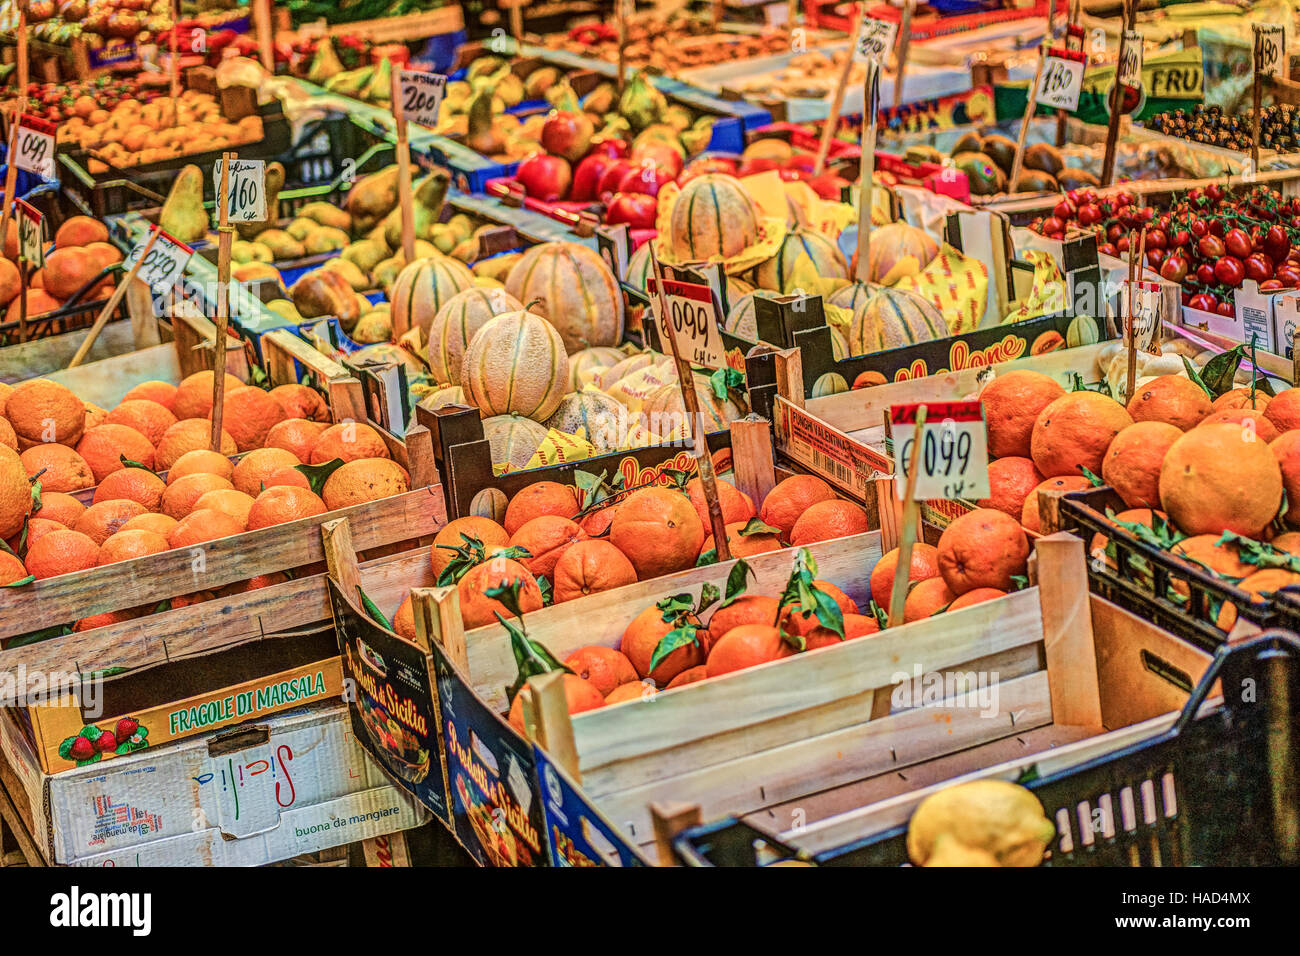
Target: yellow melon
633,389
455,324
584,365
515,363
514,440
570,285
422,288
602,418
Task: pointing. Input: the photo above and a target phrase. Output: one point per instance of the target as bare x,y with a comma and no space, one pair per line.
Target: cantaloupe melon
584,365
515,363
634,388
889,319
455,324
713,218
422,288
892,247
741,320
446,395
605,379
513,439
778,272
602,418
665,411
570,285
639,268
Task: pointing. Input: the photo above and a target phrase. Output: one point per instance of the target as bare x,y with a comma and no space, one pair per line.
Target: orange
1143,516
926,598
604,667
251,471
641,690
539,498
362,480
449,538
101,521
1074,432
286,476
94,416
15,493
796,622
658,530
1213,480
1132,463
1286,450
855,625
11,569
5,391
180,497
746,609
45,411
689,676
203,525
736,505
254,583
59,467
791,498
61,552
975,596
188,600
1175,399
189,435
149,418
193,398
1261,584
982,549
1240,398
248,414
1012,402
546,539
403,619
477,609
201,461
1250,420
35,528
281,504
1204,550
164,393
588,567
7,436
104,620
1288,542
925,564
826,520
300,401
596,523
80,231
234,503
128,544
580,695
295,435
1010,482
157,523
746,646
1030,516
1283,410
104,446
134,484
350,441
59,506
643,635
744,545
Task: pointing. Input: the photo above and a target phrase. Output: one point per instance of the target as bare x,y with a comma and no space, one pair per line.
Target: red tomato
1089,215
1174,268
1205,274
1230,271
1211,247
1238,242
1204,301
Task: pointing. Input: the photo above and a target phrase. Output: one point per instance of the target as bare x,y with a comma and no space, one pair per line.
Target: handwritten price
421,96
163,264
35,147
245,190
1061,83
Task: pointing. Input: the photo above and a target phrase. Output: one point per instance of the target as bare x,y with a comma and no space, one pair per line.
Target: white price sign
1061,81
163,265
954,458
1130,64
876,39
246,189
685,315
30,245
1270,48
1147,307
421,95
35,146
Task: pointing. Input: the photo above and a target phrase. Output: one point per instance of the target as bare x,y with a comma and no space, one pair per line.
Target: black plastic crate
74,315
1218,789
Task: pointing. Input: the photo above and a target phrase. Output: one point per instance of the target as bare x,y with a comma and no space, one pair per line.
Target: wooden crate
408,28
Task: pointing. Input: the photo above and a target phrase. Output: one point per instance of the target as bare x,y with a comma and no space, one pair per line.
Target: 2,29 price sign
163,264
421,95
954,458
30,246
685,315
1061,80
35,146
245,189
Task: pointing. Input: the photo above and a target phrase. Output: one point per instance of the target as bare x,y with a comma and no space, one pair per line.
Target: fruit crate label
246,194
576,832
686,313
120,54
1286,320
30,245
954,458
1270,48
1147,307
35,146
844,462
1130,65
165,263
1062,79
421,94
875,39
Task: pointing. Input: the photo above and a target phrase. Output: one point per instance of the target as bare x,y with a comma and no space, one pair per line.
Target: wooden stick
554,727
22,293
24,75
175,61
265,33
866,175
225,236
102,319
621,19
1019,162
404,198
517,21
11,181
904,47
907,534
670,819
1256,101
717,13
1112,127
837,102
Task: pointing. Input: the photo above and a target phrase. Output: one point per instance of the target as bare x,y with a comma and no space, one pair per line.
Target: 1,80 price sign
30,245
163,265
954,458
421,96
1270,45
685,315
246,189
35,146
1061,81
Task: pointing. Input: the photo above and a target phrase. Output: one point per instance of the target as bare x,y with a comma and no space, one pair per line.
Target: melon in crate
516,363
422,288
636,387
443,395
713,218
602,418
639,268
514,440
584,365
888,319
741,320
899,250
456,322
665,411
570,285
778,273
605,379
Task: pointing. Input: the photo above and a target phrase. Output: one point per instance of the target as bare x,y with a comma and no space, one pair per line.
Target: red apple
645,178
710,164
658,152
587,176
759,164
545,177
567,134
608,184
608,146
635,209
828,185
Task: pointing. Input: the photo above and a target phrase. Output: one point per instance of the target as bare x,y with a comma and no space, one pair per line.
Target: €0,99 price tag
1062,79
954,457
421,95
35,146
245,189
876,39
30,246
684,315
163,265
1147,307
1270,43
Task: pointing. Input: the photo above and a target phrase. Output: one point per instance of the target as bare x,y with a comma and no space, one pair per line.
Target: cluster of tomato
1210,240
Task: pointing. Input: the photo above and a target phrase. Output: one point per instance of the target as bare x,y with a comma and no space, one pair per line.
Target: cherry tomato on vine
1211,247
1238,242
1230,271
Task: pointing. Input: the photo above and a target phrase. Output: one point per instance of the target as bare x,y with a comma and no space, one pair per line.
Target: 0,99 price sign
35,146
421,95
245,189
954,458
1061,81
684,315
30,246
163,264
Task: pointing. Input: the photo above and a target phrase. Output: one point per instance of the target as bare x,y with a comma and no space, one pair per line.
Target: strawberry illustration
106,742
126,728
82,749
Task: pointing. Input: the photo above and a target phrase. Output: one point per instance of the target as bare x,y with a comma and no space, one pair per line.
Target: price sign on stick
1130,64
875,39
1270,45
30,245
246,190
953,461
35,148
1061,80
1147,306
163,264
686,316
421,95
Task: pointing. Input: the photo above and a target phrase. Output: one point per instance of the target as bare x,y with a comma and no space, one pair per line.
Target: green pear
325,239
365,254
325,64
183,215
359,281
327,214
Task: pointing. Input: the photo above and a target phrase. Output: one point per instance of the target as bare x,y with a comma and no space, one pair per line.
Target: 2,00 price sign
1061,81
954,457
245,190
30,245
686,316
163,264
421,95
35,146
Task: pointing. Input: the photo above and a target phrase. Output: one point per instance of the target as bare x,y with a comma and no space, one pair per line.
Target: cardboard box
245,796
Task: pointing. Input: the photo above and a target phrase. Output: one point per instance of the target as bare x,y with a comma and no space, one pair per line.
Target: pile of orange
81,252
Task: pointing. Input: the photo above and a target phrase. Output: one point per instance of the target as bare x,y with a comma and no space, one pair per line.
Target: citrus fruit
61,552
1283,410
193,398
790,499
45,411
746,609
252,470
795,621
157,523
855,625
1012,402
927,597
201,461
131,543
1010,482
1205,551
350,441
604,667
746,646
1213,480
7,436
975,596
1030,517
982,549
546,539
736,505
59,468
189,435
179,498
281,504
295,435
35,528
691,675
744,545
539,498
362,480
164,393
11,569
826,520
1073,433
449,537
202,525
15,493
658,530
104,446
477,609
1253,422
1260,584
1286,451
588,567
580,695
60,506
1175,399
227,500
149,418
103,520
925,564
248,414
1240,398
641,690
1132,462
643,635
135,484
301,401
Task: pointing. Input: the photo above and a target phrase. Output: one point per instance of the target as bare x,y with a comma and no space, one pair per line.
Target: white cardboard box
253,794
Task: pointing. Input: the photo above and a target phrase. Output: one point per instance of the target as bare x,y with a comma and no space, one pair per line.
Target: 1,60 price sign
685,315
1061,81
30,246
421,95
954,457
245,189
35,146
164,263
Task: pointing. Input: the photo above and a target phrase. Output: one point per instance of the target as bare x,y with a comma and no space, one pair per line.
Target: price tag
35,147
30,244
875,39
1147,308
1061,80
1270,44
1130,65
954,459
246,195
164,264
421,95
686,314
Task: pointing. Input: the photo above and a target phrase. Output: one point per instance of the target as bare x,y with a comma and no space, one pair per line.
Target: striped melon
713,218
894,243
890,319
421,290
514,440
584,365
605,379
443,395
515,363
602,419
665,412
570,285
639,268
741,320
633,389
736,287
455,324
777,273
839,345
